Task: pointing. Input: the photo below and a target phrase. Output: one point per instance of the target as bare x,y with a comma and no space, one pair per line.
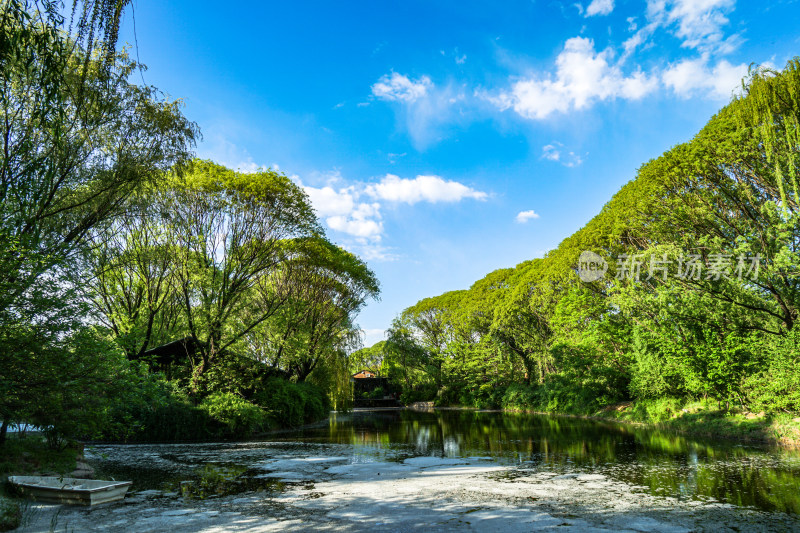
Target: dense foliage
144,294
699,300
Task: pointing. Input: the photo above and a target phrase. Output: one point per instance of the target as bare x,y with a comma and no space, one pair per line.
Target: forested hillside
699,300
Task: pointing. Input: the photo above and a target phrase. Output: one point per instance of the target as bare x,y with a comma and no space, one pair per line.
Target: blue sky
443,140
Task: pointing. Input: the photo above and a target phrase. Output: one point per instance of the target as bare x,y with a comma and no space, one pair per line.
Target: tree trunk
3,431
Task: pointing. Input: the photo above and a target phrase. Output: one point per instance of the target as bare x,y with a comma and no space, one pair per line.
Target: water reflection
660,463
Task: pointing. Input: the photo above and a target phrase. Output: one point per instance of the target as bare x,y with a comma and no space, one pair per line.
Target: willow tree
131,277
329,287
230,232
77,139
771,106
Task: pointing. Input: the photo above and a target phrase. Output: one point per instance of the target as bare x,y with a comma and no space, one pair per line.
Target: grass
30,454
707,419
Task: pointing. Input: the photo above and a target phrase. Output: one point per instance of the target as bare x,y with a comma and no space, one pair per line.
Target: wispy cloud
555,152
371,336
524,216
219,149
599,7
699,23
583,75
424,107
397,87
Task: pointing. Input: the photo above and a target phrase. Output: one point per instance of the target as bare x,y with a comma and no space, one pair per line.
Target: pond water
654,462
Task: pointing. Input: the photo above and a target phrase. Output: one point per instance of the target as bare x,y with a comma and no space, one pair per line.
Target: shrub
652,375
519,397
655,410
416,395
488,396
448,395
157,411
240,417
777,388
292,404
176,420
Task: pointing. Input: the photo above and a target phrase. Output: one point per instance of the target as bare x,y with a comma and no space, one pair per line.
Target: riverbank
301,486
697,419
704,420
31,455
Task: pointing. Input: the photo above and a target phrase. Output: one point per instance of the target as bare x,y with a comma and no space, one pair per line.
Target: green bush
292,404
240,417
176,420
519,397
488,396
568,393
410,396
652,375
655,410
156,410
31,453
421,393
377,394
777,387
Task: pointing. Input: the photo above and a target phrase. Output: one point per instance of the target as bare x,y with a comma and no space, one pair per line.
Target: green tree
77,141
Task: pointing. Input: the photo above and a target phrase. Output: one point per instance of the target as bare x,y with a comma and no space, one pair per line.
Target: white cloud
636,40
218,148
331,202
600,7
698,22
524,216
363,222
695,76
431,189
394,157
582,77
397,87
341,209
372,336
551,153
555,152
354,209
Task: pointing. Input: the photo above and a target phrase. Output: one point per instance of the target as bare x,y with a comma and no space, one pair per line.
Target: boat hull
72,491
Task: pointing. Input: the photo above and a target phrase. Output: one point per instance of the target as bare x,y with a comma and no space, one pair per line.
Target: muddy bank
297,486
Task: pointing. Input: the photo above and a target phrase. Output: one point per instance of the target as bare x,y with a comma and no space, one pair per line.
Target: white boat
52,489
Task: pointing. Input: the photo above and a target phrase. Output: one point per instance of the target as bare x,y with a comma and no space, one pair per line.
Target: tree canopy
699,299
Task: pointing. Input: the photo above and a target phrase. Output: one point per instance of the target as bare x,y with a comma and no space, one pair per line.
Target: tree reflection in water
665,464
